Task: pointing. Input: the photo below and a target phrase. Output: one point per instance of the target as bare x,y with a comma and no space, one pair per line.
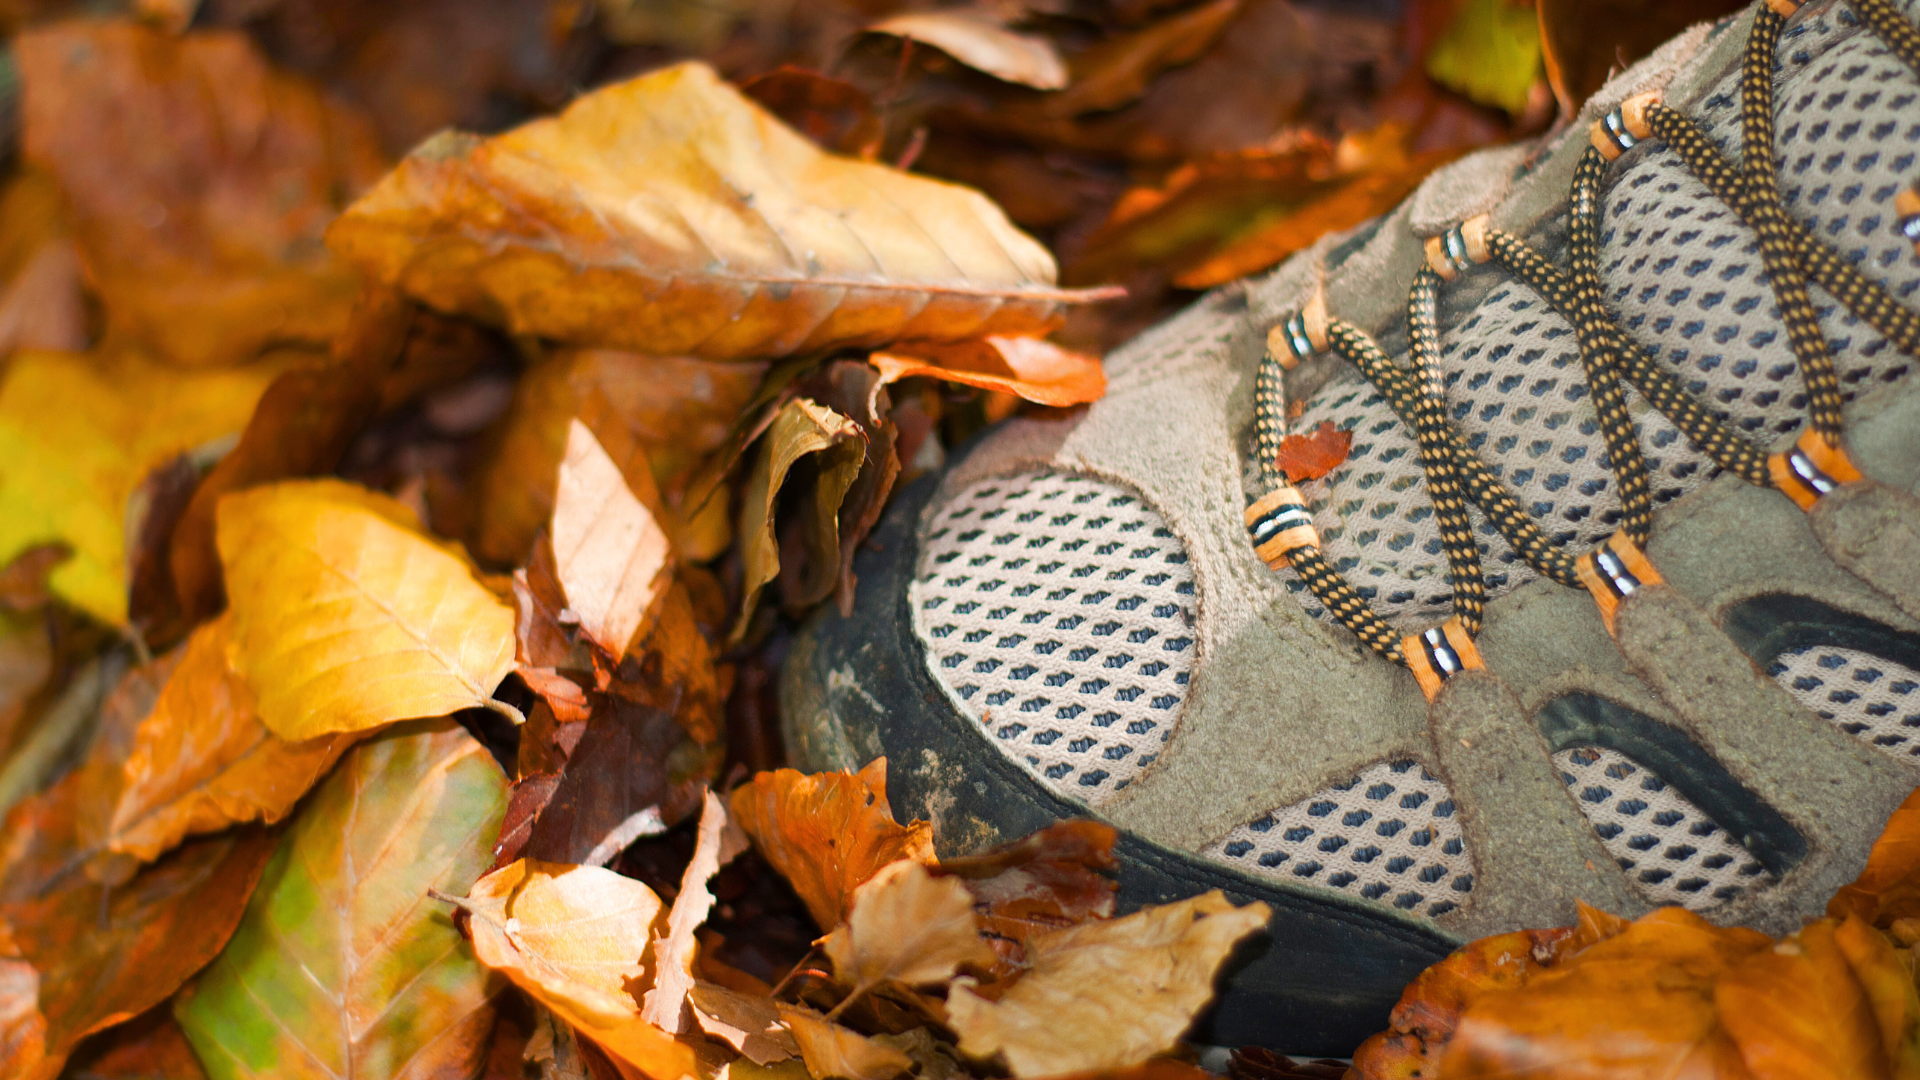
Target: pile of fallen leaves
400,532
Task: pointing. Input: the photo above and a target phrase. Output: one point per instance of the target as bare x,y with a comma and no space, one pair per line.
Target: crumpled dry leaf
665,1005
810,571
834,113
104,955
980,41
801,428
1036,885
1116,71
1799,1011
202,761
834,1051
204,243
1314,454
307,561
150,1047
907,926
1108,993
749,1023
67,474
1888,887
342,965
41,306
670,214
827,833
612,558
1036,370
572,937
1585,41
26,663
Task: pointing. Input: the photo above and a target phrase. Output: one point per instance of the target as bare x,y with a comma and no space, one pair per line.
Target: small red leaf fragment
1314,455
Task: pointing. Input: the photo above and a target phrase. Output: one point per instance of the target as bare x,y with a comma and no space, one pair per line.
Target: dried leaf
204,243
670,214
1045,882
1888,887
1106,994
67,474
308,560
828,833
978,40
1639,1003
611,556
1797,1011
800,429
41,305
748,1023
1036,370
665,1005
343,966
103,955
202,760
572,937
1490,52
1585,41
1116,71
26,663
835,114
907,926
23,582
834,1051
1315,454
151,1047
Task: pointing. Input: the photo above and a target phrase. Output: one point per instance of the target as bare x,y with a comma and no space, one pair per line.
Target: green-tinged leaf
342,966
78,433
802,427
1491,53
347,616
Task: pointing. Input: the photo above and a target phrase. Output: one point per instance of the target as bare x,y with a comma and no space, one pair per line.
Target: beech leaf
908,926
747,1022
1888,887
834,1051
673,952
572,937
1106,994
345,616
1036,370
1315,454
802,427
827,833
1799,1011
976,40
202,760
610,553
343,966
670,214
67,473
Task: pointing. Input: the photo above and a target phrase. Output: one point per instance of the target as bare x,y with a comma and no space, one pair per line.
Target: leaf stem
506,710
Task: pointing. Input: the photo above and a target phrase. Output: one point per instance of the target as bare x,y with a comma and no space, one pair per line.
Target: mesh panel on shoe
1866,696
1671,850
1684,276
1057,610
1389,835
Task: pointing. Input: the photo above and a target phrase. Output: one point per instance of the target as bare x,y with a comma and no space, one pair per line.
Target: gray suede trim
1455,192
1873,530
1534,854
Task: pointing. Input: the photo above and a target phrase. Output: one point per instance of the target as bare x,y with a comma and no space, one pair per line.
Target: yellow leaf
670,214
611,555
202,761
908,926
1491,53
345,616
78,433
572,937
1106,994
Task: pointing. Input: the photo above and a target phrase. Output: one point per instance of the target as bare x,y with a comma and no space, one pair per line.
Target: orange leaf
1037,370
1798,1012
1312,456
1889,887
828,833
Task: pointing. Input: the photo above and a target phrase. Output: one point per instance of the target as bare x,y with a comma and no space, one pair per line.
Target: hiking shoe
1616,596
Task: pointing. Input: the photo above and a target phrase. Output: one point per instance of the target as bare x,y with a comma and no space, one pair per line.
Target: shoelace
1281,525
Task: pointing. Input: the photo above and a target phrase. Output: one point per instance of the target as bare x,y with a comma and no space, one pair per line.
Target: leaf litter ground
400,535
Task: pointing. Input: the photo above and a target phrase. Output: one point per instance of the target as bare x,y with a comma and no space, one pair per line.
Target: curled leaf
978,41
1888,887
907,926
610,553
1106,994
345,616
838,1052
746,1022
1036,370
673,952
801,429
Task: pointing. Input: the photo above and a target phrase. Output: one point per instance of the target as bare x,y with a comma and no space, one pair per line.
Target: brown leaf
978,40
1314,455
907,926
1118,70
1798,1012
26,663
801,429
1045,882
1888,887
202,760
41,305
204,243
23,582
834,1051
808,571
555,662
1106,994
104,955
1587,40
1639,1003
1036,370
665,1005
151,1047
827,833
611,556
583,244
572,937
748,1023
837,115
